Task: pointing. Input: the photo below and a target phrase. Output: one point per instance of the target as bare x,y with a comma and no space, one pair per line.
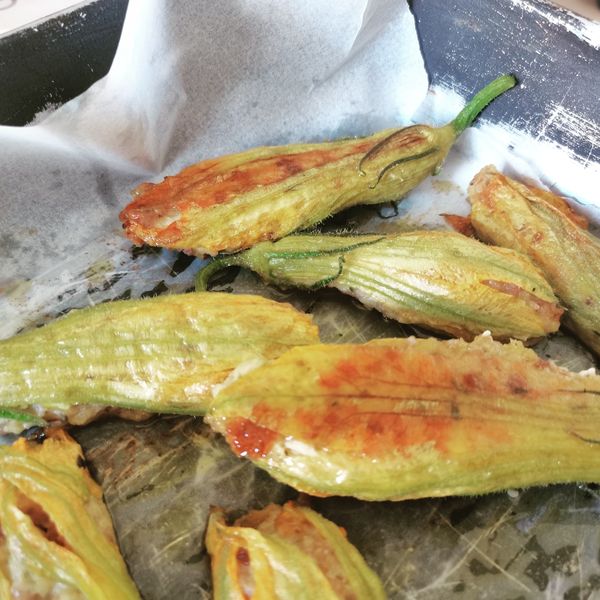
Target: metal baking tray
160,477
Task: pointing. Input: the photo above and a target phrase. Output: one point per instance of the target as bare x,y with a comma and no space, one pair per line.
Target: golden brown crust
158,212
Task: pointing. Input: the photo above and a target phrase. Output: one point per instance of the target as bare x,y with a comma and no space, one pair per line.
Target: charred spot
41,519
34,434
81,462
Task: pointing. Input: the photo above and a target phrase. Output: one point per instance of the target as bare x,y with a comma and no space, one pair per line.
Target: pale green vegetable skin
162,354
442,280
279,569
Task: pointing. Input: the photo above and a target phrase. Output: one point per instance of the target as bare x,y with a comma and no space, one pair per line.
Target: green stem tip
468,114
